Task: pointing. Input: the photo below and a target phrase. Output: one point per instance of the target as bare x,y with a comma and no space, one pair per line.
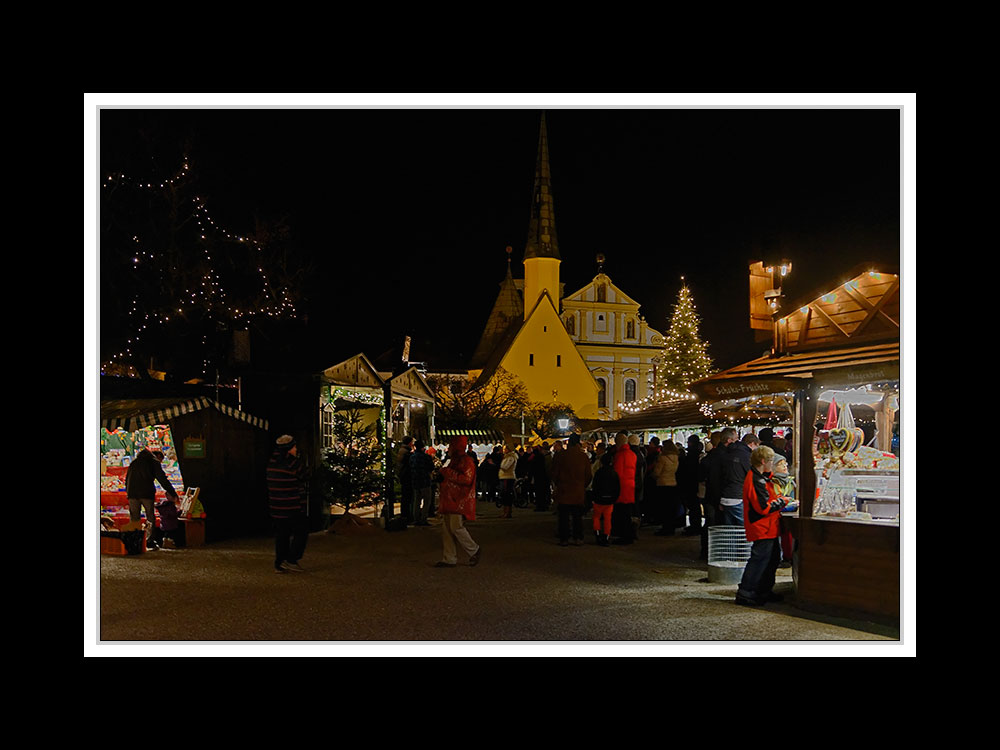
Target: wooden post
806,409
389,501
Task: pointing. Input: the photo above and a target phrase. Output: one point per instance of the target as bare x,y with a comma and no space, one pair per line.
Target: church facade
591,349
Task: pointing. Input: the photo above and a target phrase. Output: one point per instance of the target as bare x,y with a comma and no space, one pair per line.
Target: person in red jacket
624,461
761,520
456,503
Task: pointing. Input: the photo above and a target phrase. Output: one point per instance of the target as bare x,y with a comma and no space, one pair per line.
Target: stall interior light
804,310
862,397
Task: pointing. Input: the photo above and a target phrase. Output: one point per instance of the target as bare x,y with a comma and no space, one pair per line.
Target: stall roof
663,416
133,414
789,372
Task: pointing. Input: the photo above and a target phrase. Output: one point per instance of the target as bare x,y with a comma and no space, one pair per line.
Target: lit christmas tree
683,360
685,356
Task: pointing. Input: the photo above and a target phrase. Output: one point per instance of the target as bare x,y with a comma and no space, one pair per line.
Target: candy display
863,457
118,449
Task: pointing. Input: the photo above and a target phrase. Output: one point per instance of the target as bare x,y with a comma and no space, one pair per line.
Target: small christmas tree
685,356
352,470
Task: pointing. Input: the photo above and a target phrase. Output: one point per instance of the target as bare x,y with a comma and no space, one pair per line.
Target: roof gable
356,371
544,314
589,293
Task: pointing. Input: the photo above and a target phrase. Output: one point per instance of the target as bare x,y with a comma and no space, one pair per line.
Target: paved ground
381,588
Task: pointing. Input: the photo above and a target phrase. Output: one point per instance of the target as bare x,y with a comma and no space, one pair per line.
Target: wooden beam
831,321
874,311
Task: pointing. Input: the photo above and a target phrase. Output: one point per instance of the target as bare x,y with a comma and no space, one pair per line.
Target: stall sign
743,388
194,447
861,374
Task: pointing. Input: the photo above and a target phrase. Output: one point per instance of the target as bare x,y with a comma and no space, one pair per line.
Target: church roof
507,311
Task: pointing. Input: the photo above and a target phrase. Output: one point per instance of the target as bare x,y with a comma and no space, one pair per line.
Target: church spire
542,241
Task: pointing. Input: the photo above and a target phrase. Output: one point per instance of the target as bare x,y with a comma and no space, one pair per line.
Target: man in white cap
285,473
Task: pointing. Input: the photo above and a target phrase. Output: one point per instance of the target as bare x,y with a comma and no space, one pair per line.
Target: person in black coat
421,468
710,472
489,474
735,469
687,484
139,479
540,478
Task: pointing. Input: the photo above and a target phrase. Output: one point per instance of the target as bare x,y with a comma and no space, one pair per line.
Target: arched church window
629,390
571,325
630,329
602,393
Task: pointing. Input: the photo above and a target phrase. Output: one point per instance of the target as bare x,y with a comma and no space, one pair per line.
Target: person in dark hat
286,498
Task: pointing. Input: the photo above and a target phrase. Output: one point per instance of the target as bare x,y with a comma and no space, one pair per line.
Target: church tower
541,253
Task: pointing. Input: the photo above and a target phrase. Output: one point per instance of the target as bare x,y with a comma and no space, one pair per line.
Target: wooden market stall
356,384
208,445
840,344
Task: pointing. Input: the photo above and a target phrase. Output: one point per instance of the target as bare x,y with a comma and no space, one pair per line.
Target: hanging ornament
831,415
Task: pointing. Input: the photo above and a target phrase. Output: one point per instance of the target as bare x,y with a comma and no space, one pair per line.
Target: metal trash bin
728,552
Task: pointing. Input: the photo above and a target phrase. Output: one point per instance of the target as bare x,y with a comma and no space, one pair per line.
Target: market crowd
624,486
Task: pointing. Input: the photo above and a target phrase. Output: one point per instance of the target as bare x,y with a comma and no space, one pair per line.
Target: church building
590,349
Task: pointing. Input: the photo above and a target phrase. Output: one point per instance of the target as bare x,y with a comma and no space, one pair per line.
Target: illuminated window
602,393
629,390
327,428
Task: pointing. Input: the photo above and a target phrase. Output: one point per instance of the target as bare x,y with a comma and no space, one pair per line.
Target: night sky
404,214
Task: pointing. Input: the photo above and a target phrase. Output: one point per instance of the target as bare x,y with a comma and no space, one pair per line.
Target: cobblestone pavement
381,588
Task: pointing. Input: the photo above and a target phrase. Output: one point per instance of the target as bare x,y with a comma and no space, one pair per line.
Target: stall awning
475,436
134,414
789,372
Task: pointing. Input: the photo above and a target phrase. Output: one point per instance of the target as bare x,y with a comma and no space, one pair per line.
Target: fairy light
210,294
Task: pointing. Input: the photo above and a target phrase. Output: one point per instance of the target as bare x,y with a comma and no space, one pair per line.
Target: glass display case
860,495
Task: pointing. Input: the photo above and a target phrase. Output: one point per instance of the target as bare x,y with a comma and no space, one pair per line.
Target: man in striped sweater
285,472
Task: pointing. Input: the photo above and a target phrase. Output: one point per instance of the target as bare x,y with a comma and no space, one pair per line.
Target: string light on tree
683,360
176,285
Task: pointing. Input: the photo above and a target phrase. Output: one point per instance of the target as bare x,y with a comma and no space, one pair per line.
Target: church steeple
541,254
542,240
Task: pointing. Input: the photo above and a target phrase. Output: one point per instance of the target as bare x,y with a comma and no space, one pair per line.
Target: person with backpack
606,488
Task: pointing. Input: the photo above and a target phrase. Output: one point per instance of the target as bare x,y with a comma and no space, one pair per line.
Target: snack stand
842,346
211,452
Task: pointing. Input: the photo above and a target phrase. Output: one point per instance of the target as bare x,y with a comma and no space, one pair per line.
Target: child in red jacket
761,519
